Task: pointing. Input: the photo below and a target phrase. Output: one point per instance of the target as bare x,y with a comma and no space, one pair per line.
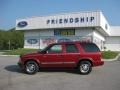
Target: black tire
84,67
31,67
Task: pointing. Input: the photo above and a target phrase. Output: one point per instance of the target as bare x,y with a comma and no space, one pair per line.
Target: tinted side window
55,49
71,48
90,47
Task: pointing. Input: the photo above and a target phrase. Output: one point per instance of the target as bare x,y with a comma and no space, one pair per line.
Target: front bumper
21,65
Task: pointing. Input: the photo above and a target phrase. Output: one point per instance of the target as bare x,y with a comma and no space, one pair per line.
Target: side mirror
43,52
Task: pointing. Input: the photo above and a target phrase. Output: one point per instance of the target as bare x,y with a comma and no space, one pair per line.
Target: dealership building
87,26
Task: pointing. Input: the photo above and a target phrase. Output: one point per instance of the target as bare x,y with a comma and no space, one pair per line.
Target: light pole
9,44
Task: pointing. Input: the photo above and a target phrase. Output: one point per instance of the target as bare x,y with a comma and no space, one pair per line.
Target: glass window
71,48
55,49
90,47
64,32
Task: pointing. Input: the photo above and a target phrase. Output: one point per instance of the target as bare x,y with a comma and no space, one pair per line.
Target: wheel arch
85,59
35,60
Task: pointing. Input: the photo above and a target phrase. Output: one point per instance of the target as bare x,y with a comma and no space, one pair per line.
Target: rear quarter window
90,47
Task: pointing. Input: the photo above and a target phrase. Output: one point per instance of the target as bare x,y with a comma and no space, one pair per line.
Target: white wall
43,32
83,32
104,24
98,35
98,39
113,43
115,31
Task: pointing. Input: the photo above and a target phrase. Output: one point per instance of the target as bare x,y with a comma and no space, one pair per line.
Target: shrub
109,54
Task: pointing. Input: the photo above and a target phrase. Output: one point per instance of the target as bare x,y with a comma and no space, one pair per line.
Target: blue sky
10,10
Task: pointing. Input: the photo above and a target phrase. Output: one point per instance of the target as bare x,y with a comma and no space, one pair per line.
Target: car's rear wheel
31,67
84,67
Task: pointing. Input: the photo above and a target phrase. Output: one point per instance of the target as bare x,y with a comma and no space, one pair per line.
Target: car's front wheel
84,67
31,67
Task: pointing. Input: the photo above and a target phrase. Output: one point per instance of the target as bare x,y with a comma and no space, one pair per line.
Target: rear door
71,55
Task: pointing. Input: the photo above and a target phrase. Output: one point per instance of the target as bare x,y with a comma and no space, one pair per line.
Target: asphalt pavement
106,77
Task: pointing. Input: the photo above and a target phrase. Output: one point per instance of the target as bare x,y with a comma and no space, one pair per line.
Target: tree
12,38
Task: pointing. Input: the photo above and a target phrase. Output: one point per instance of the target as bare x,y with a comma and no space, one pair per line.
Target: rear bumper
98,63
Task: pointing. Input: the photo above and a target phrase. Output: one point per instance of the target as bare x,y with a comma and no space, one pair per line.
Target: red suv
79,55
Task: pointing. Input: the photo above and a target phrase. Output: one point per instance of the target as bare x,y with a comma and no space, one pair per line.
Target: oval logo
32,41
22,24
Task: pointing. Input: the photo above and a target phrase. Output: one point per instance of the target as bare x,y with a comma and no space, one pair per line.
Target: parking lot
106,77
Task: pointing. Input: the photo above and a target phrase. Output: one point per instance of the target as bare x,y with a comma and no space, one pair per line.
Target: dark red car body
63,59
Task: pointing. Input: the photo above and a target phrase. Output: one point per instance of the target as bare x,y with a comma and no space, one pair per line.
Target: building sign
70,20
48,41
22,24
65,20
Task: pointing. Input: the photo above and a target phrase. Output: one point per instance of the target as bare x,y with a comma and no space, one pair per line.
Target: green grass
20,51
109,54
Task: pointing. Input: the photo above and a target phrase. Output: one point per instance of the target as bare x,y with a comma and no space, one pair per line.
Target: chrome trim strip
68,62
52,63
58,63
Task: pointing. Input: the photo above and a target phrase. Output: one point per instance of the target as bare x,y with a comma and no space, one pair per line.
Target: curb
114,59
10,55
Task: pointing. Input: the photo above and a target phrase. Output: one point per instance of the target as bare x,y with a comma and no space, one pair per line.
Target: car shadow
13,68
73,71
16,68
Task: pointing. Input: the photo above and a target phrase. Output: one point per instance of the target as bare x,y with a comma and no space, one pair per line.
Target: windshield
44,49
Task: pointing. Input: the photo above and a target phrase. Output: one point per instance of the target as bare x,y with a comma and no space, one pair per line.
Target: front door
53,56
